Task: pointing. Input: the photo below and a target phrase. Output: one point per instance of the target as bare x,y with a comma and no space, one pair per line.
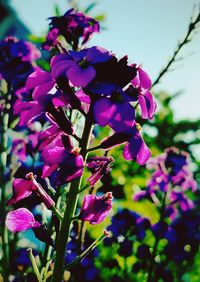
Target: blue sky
146,30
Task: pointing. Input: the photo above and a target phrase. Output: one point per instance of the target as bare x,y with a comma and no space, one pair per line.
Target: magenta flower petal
60,64
104,109
53,154
20,220
147,105
81,77
124,117
145,80
95,209
49,169
48,136
29,112
83,97
137,150
21,189
98,54
42,89
37,78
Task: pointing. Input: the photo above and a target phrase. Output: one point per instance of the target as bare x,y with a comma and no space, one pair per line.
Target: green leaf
90,7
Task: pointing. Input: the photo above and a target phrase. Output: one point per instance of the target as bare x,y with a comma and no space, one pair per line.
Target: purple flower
115,110
19,149
172,176
142,84
79,67
23,188
20,220
48,135
17,60
135,147
60,157
51,39
94,208
73,26
41,82
46,99
99,166
184,202
172,167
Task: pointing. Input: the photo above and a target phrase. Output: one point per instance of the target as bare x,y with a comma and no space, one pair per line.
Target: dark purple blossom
126,248
95,208
99,166
79,67
183,237
135,147
73,26
51,39
21,220
115,110
125,224
19,149
62,158
17,60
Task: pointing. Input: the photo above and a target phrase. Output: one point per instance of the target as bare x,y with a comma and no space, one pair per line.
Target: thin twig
192,27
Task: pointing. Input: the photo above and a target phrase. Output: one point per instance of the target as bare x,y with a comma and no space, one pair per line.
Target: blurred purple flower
172,167
19,149
95,208
17,60
20,220
51,39
74,26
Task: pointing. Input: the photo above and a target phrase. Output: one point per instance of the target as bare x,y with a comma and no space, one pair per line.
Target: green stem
3,164
87,251
33,262
157,240
48,249
86,186
72,198
94,148
57,213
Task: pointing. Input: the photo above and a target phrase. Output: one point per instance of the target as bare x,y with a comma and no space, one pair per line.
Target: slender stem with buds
72,198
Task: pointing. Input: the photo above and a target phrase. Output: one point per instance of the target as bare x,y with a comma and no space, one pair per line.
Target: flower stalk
80,257
71,201
3,164
34,265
